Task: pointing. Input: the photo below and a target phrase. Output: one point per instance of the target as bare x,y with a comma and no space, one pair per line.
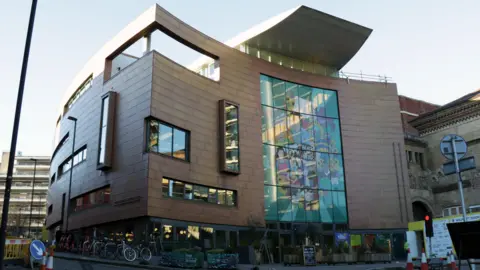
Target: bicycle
94,248
128,253
143,252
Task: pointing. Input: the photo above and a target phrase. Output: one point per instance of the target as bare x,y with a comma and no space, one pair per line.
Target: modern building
432,191
264,132
30,176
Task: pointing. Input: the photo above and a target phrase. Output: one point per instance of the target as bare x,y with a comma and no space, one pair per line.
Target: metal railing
365,77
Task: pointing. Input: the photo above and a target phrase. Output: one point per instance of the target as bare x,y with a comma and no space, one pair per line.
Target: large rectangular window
229,137
182,190
105,145
91,199
302,153
167,140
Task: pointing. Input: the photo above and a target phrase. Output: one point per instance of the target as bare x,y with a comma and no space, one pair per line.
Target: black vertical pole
31,202
16,123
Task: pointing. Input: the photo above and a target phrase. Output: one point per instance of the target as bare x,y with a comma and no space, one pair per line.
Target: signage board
453,142
464,164
36,249
309,255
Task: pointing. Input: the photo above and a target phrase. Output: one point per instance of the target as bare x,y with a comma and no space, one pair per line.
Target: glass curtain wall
302,153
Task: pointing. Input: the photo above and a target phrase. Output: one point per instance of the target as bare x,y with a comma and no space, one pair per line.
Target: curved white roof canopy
305,34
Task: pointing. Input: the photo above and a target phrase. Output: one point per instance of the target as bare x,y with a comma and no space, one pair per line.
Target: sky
429,48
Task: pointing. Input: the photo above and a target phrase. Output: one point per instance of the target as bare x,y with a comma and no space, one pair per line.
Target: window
229,130
167,140
50,209
91,199
303,164
452,211
187,191
104,159
79,92
52,180
474,209
79,156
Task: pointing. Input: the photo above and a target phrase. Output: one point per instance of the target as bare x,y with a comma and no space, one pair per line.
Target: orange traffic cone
50,261
454,262
44,261
409,261
424,264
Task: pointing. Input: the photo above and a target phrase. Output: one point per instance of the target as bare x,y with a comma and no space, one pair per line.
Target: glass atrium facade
302,154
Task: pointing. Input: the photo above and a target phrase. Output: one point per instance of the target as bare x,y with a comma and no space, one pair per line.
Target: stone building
425,125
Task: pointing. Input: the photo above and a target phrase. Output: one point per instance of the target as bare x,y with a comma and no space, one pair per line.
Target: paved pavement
66,261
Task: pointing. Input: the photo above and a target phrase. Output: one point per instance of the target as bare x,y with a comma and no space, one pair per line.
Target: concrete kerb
109,262
388,268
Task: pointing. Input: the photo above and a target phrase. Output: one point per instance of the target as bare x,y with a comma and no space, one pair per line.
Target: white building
22,204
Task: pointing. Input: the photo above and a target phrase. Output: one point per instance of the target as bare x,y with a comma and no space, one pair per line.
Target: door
398,252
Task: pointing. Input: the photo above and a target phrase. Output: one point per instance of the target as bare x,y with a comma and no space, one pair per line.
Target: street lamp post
71,118
33,191
16,124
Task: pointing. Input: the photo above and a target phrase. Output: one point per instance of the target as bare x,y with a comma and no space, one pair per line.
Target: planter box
318,256
351,258
181,259
382,257
291,259
222,261
338,257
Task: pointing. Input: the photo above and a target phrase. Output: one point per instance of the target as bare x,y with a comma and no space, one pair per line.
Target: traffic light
428,225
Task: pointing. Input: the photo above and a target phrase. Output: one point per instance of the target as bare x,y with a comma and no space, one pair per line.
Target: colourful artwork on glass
331,104
153,140
294,134
278,93
298,204
318,104
312,205
280,117
334,140
336,172
267,125
320,132
326,206
291,97
323,171
306,130
284,199
339,207
269,166
305,99
266,90
270,202
296,172
302,161
283,167
309,169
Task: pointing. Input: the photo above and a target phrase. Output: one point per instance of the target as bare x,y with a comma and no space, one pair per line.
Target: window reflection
231,138
187,191
167,140
302,153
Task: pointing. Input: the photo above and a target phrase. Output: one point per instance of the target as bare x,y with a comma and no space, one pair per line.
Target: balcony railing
25,200
365,77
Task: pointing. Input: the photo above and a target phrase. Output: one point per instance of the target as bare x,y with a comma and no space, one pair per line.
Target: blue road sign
464,164
447,147
36,249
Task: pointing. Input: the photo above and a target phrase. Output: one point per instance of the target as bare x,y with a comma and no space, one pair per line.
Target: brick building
253,134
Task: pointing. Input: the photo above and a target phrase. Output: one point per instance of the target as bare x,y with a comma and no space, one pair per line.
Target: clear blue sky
430,48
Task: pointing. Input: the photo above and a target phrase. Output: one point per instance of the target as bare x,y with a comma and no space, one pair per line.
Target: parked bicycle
126,251
143,252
